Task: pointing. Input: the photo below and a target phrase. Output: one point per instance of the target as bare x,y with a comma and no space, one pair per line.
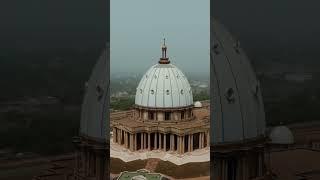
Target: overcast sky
265,28
288,29
138,27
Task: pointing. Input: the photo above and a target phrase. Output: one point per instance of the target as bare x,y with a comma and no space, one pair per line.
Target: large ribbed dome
238,112
95,112
164,86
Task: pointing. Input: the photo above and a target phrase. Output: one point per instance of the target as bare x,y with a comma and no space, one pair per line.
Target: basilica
164,116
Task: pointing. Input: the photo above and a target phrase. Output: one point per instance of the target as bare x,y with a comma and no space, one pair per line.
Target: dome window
151,115
255,89
178,76
167,115
168,92
182,114
167,76
215,49
99,91
146,75
140,91
236,47
155,76
86,85
230,95
181,91
152,91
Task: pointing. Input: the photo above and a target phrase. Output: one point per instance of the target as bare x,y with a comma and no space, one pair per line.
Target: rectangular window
182,114
167,116
151,115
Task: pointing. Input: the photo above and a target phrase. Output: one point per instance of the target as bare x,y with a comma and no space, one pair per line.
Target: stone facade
180,130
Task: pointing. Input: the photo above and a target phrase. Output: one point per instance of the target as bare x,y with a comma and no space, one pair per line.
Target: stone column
245,168
216,168
126,134
155,140
183,144
200,140
77,158
203,134
119,136
191,147
179,145
144,140
225,169
87,170
123,136
160,141
114,135
164,142
131,142
239,170
171,149
83,158
208,139
135,142
101,165
260,166
149,141
189,143
92,164
141,141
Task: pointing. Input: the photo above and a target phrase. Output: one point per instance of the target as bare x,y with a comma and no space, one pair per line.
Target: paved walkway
152,164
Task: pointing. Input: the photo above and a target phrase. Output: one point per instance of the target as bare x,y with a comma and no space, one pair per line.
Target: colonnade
241,167
161,141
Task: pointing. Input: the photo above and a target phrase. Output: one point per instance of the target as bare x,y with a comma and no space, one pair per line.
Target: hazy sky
288,29
138,27
58,24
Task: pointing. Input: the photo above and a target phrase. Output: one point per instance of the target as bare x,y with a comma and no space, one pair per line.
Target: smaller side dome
198,104
281,135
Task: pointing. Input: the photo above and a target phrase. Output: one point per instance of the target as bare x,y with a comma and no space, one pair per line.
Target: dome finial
164,59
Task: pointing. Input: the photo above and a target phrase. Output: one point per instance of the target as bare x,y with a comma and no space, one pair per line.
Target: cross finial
164,59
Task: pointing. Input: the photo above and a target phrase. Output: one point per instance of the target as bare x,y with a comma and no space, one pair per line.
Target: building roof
238,111
293,164
164,86
95,112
